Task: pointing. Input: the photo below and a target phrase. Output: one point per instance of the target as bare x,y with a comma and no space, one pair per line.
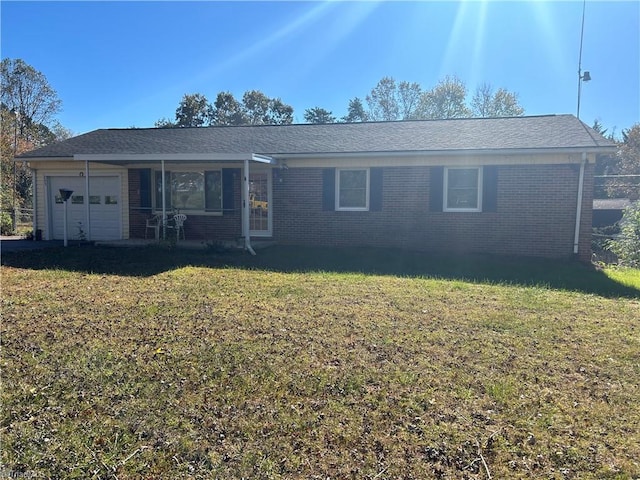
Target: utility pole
586,77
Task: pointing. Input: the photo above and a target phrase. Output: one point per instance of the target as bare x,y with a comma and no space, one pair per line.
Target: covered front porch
227,199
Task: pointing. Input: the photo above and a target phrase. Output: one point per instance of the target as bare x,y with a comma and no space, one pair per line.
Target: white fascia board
453,153
174,157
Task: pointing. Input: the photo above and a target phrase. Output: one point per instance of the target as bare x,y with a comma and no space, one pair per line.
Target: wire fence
16,221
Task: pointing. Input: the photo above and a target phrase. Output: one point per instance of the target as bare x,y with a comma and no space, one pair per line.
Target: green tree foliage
279,113
193,111
255,109
605,164
501,103
628,165
261,110
355,112
227,110
164,123
627,245
445,100
318,115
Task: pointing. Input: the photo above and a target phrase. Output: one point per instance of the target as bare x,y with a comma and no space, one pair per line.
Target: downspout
246,225
88,204
34,201
164,203
576,239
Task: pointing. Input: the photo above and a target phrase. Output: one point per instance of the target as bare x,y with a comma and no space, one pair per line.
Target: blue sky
123,64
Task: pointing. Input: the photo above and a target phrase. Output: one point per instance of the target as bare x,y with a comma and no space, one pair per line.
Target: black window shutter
145,187
228,195
375,189
490,189
329,189
436,189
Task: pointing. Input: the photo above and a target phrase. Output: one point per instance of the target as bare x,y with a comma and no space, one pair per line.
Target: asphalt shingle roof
473,134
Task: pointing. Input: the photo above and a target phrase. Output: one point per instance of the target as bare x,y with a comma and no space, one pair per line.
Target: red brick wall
535,214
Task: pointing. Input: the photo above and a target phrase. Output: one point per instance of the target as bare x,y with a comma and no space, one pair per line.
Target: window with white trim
190,190
352,189
462,189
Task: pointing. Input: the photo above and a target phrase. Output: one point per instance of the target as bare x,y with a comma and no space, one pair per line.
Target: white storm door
260,219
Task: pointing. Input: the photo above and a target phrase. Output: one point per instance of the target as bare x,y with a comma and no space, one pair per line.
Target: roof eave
272,157
452,153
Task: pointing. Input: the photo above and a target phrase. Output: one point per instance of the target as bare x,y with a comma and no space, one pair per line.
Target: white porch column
164,203
246,225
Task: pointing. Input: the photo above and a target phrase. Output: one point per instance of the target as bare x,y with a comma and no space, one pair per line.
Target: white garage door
104,203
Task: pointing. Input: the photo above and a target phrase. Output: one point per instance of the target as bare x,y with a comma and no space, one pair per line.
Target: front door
260,221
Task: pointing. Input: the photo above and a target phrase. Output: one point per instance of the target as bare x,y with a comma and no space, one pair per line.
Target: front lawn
303,363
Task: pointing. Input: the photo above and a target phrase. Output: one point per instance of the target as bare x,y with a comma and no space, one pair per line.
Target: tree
27,108
408,96
356,112
255,109
502,103
605,163
259,109
193,111
382,101
318,115
27,93
627,245
227,110
627,165
279,112
445,100
164,123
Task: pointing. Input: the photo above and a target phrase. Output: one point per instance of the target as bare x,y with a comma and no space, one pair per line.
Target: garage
104,204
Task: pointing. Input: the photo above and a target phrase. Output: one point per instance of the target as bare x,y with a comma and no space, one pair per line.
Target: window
190,190
463,189
352,189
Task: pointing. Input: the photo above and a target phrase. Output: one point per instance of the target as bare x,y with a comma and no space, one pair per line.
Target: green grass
303,363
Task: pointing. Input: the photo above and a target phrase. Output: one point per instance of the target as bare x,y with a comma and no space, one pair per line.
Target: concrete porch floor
187,244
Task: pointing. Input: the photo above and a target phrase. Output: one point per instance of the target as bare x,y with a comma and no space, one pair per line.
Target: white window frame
445,194
367,191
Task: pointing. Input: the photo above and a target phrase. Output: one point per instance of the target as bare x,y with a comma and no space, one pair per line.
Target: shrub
6,224
627,245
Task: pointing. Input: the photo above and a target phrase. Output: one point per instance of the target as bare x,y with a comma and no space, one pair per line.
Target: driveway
14,244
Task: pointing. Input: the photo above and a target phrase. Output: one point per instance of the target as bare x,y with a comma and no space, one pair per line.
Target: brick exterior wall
535,214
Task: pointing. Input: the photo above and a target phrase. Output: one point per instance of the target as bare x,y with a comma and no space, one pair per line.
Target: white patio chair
178,224
154,224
